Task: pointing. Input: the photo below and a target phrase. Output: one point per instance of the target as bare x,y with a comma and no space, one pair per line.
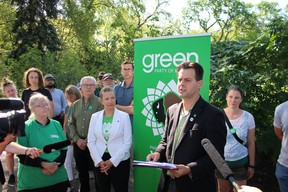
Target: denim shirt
124,96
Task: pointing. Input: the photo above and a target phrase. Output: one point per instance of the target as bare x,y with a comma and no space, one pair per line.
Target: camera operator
13,147
10,91
11,124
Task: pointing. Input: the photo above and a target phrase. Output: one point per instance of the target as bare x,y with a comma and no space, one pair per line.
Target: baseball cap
107,76
49,76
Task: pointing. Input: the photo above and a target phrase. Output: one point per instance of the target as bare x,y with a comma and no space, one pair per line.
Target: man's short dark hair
192,65
127,62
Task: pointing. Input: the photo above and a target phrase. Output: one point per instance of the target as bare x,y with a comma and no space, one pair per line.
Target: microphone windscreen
56,146
217,158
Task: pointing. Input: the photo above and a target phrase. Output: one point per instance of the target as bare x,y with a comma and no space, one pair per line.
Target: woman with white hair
45,173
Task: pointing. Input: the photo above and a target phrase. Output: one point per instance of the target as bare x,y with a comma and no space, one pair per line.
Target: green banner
155,89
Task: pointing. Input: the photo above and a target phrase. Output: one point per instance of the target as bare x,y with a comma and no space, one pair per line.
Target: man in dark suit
186,124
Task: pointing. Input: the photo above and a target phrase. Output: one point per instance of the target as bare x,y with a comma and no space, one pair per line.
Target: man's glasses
88,85
100,77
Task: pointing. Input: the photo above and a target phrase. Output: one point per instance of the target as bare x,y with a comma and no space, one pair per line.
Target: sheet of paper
154,164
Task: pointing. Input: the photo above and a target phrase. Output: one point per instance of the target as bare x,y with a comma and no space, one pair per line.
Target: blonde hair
6,82
73,90
105,90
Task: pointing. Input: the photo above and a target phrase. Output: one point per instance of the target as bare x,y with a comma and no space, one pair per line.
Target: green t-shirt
106,127
38,136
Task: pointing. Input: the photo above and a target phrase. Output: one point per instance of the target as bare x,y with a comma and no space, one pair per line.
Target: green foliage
260,68
66,68
32,58
81,15
105,30
228,19
32,28
249,47
7,15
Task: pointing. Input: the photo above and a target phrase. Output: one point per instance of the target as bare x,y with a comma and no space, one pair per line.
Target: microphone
219,162
56,146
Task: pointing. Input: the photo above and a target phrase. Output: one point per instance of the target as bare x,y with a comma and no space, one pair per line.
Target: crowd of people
99,123
53,116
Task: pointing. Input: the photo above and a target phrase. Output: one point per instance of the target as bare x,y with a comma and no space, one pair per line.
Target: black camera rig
12,117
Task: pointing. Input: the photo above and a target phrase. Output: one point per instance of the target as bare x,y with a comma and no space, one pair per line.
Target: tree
7,16
129,20
105,30
260,67
230,19
32,27
84,23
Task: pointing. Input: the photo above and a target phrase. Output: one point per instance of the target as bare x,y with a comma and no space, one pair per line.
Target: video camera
12,117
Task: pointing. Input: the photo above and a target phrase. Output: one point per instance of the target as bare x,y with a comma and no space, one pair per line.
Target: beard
50,86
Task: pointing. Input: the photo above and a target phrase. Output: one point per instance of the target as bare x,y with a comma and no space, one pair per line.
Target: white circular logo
156,103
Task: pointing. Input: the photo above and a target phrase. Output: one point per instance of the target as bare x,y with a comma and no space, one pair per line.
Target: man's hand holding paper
160,165
153,157
180,171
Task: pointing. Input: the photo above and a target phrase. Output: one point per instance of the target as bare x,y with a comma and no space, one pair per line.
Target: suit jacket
119,142
205,121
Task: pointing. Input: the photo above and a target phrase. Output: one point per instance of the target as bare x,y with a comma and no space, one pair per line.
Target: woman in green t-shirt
109,142
45,173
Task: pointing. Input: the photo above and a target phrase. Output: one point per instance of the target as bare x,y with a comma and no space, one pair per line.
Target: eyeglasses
88,85
100,77
42,106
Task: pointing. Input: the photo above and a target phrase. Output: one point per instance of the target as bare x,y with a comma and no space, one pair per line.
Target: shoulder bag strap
232,130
